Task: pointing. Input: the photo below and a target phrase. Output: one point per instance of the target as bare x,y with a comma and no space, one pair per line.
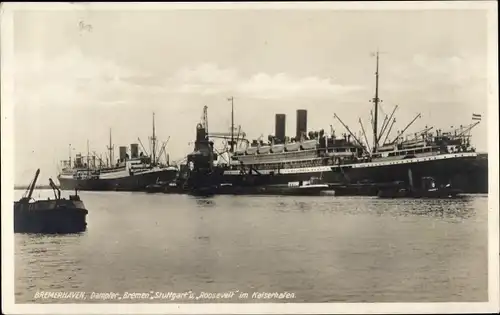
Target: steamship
446,156
129,173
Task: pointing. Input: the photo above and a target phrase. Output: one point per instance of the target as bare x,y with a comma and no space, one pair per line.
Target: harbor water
315,249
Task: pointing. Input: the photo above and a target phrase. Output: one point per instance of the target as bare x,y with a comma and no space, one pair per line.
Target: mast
110,148
70,155
376,101
153,140
88,155
232,123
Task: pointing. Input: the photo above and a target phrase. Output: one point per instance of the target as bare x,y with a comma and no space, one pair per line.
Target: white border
236,5
7,160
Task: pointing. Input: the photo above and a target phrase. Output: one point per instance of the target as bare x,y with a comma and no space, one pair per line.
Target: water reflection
324,249
462,208
39,257
439,208
205,202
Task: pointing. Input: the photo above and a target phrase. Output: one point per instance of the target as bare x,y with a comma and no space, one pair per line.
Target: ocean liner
446,156
128,173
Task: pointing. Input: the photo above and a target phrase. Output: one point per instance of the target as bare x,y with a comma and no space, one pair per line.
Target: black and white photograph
250,157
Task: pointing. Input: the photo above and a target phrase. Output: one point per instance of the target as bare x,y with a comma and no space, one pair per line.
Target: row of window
292,164
408,152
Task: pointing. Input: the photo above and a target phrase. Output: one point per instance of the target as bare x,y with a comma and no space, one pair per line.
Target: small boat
312,187
157,187
428,189
362,189
175,187
51,216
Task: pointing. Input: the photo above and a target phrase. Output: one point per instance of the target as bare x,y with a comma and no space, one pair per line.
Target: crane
423,132
204,118
467,128
389,131
144,149
57,192
223,135
348,130
162,150
386,123
98,158
364,133
406,128
31,187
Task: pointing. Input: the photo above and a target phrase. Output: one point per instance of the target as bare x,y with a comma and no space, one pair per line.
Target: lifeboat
278,148
413,143
386,147
308,145
265,149
252,150
294,146
240,151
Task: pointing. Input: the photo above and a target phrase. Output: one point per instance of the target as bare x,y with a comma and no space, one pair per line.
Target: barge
51,216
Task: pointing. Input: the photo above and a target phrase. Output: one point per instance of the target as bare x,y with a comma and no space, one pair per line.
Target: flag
476,117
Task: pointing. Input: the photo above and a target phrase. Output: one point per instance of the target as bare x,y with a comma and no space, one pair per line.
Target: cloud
283,85
426,71
72,79
76,79
209,79
206,74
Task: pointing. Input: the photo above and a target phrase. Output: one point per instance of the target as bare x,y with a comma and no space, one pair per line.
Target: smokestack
301,123
280,127
78,159
134,150
123,153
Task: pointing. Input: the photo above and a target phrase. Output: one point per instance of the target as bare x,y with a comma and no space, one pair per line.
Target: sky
80,73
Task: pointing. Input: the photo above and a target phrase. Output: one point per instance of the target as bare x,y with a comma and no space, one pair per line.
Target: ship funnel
201,133
134,150
123,153
280,124
201,137
301,123
78,160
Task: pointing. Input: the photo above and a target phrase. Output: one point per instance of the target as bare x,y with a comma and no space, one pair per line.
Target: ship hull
465,172
137,182
50,217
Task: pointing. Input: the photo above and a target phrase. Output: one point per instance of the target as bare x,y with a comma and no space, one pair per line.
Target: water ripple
324,249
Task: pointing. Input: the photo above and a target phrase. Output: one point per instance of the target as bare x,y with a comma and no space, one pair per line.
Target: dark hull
358,189
130,183
274,190
50,217
470,175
